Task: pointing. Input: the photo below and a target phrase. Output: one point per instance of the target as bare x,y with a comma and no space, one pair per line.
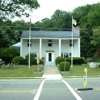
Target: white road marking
39,90
73,92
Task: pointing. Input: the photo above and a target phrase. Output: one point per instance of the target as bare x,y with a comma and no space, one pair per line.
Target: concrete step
49,64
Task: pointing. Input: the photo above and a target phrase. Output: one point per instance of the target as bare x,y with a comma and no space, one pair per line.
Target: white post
40,48
29,45
59,47
21,47
79,47
72,46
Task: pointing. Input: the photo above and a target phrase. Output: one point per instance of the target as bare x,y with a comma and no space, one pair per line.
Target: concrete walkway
51,72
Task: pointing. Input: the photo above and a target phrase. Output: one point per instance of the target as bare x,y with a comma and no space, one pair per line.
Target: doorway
49,56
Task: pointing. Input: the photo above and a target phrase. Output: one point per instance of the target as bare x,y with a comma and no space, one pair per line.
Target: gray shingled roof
49,34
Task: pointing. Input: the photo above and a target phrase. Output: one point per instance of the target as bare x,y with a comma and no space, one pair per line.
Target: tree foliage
96,37
12,8
7,54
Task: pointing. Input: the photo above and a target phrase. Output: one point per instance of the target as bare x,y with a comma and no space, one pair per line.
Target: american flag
30,22
74,29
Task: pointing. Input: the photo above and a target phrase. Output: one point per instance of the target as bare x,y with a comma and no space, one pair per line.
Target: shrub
32,59
17,60
42,62
76,60
64,66
58,60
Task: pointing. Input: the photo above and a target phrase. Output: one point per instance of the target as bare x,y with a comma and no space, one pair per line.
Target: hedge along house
50,44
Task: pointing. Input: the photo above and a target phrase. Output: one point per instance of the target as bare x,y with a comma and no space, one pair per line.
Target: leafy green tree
96,37
85,16
93,17
58,13
12,8
8,54
4,39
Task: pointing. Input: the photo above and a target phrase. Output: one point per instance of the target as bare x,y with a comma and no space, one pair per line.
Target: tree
8,54
58,13
87,49
96,37
93,17
12,8
4,39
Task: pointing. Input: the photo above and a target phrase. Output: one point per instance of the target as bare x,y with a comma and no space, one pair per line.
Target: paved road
40,89
18,89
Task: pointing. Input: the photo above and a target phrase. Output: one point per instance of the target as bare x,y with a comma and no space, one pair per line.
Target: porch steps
49,64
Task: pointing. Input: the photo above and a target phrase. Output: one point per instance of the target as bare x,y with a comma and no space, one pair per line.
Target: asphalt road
40,89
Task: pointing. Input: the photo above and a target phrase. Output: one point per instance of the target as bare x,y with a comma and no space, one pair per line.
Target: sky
48,7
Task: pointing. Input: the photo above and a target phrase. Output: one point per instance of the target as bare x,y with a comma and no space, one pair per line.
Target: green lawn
19,71
78,70
25,72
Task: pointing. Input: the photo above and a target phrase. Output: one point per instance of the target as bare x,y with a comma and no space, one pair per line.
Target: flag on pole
30,21
74,22
74,29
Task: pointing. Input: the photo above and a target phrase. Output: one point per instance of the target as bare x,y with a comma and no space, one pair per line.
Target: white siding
65,47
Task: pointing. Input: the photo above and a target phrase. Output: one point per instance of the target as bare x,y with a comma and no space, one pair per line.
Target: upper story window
49,43
71,43
29,43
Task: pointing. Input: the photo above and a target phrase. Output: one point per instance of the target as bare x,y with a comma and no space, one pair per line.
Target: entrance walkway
51,72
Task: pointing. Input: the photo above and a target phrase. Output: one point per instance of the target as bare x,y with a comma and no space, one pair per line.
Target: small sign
85,77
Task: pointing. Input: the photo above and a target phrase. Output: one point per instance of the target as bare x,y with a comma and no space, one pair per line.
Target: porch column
40,48
59,47
79,47
21,44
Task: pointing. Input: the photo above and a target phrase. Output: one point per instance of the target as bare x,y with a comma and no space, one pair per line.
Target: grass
19,71
25,72
78,71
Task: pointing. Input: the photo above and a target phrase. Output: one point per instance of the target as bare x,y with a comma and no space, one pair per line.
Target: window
61,54
49,43
29,43
70,54
64,54
70,43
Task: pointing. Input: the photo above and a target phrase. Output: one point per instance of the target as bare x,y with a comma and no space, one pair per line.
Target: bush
17,60
32,59
76,60
58,60
79,60
42,62
64,66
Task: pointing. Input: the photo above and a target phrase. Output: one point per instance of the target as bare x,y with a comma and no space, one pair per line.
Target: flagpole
29,42
72,46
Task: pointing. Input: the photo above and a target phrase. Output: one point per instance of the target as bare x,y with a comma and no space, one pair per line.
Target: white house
50,44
